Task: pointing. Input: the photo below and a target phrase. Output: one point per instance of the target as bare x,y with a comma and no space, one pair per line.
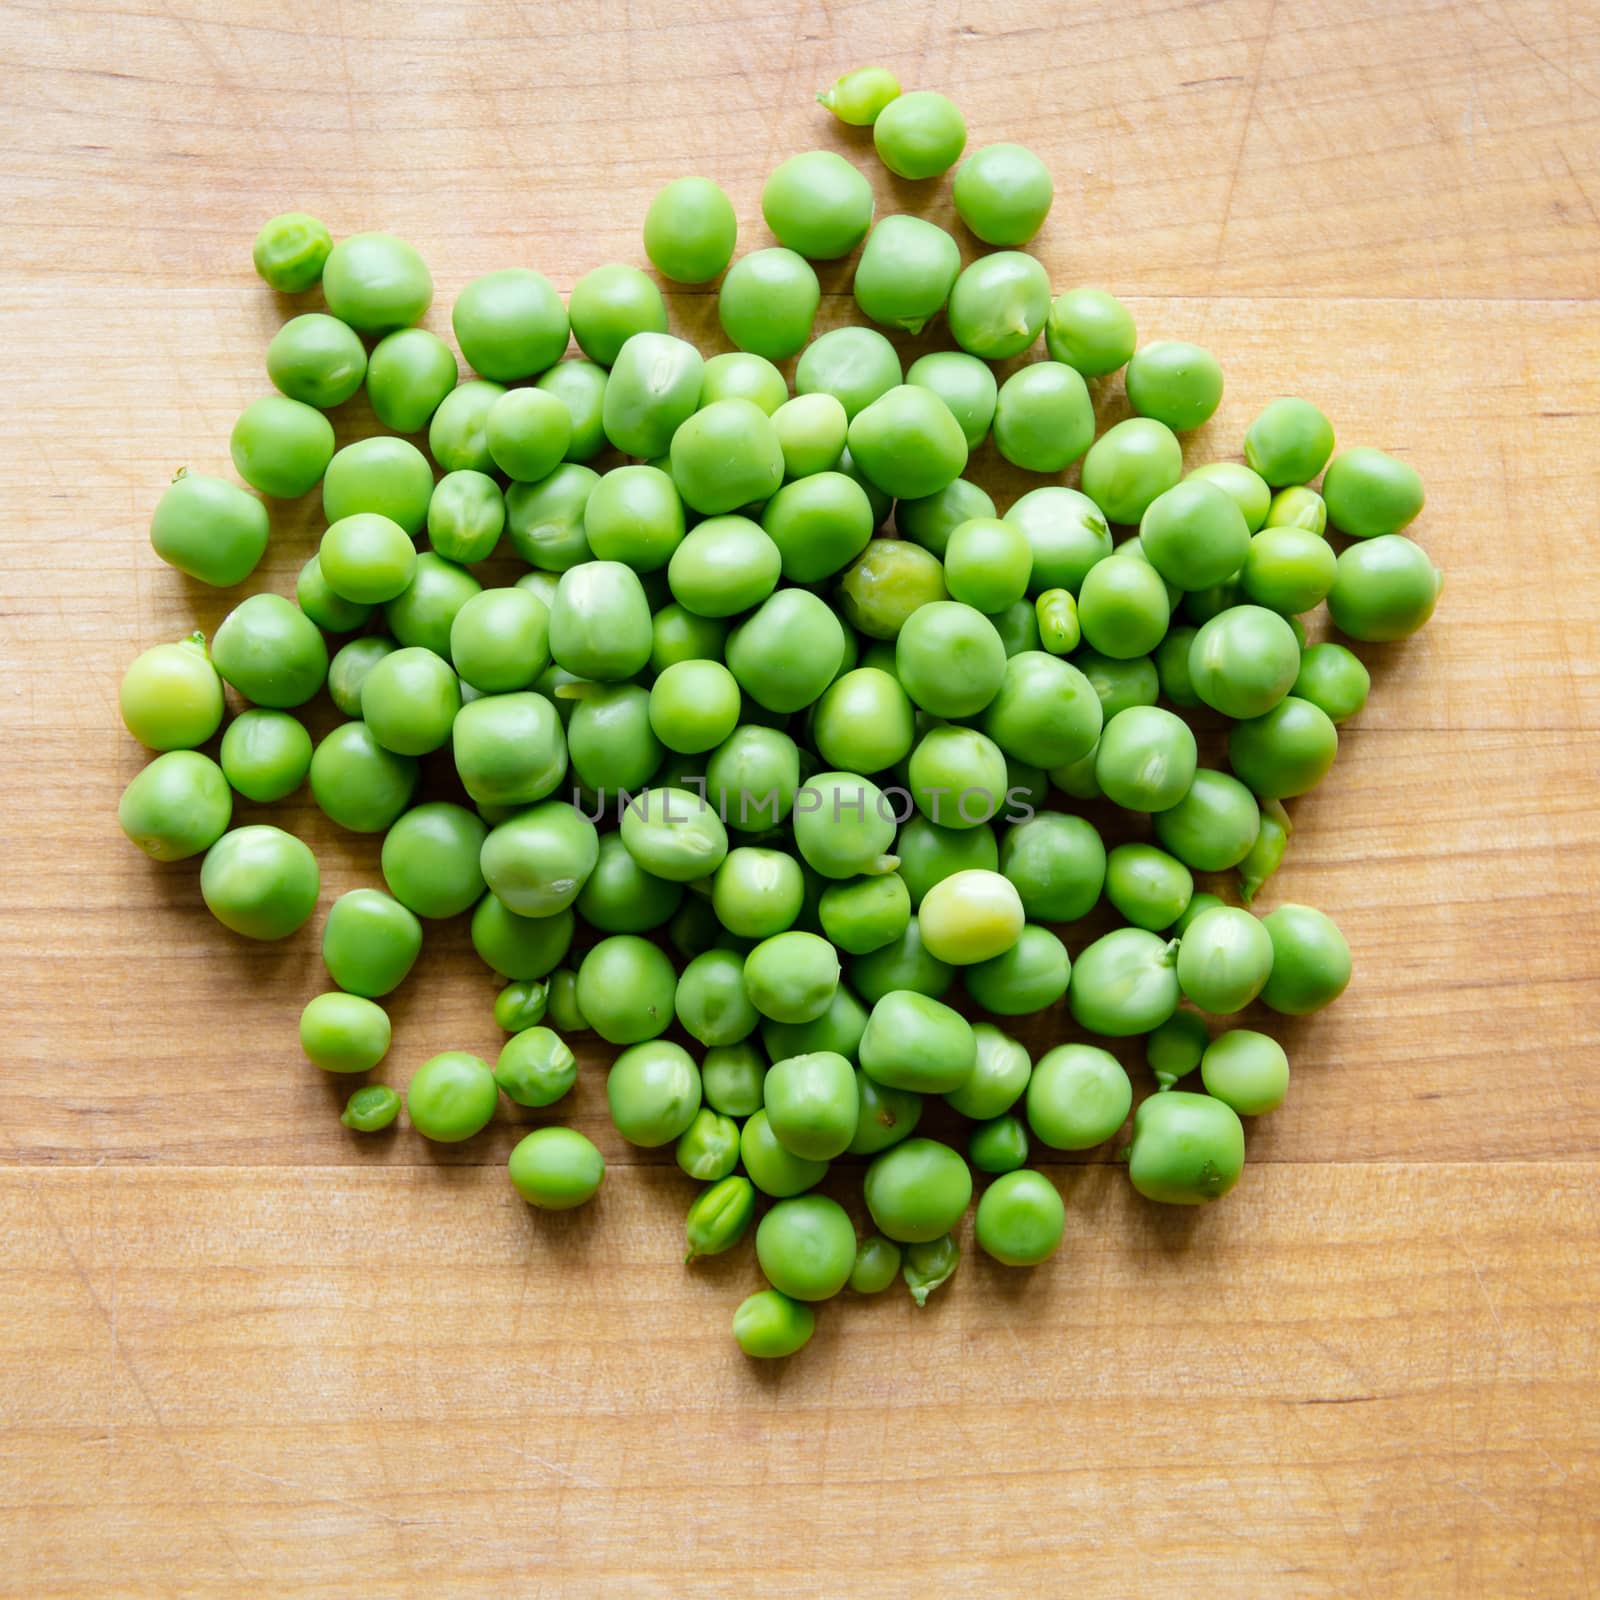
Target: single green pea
768,302
999,1145
966,385
527,432
1147,887
1173,1050
811,430
1224,960
626,989
769,1325
929,1265
740,375
889,580
772,1168
1020,1219
1310,961
818,205
388,476
357,783
171,697
281,447
757,893
904,964
556,1169
724,566
1246,1071
424,614
1146,759
430,859
1175,383
1118,684
958,776
653,1089
1333,679
950,659
843,825
1058,865
290,251
499,640
969,917
539,858
792,976
330,611
694,706
674,834
1369,493
1045,711
812,1104
258,881
177,806
600,623
711,1002
370,942
317,360
1213,827
376,282
1090,331
865,914
451,1097
723,457
1078,1096
690,230
908,443
653,388
458,434
1003,193
906,272
917,1190
1243,661
988,563
708,1149
527,947
1129,465
367,558
999,1076
372,1108
1194,534
510,324
509,748
1044,419
719,1217
1265,856
1289,442
1187,1148
609,305
209,529
819,525
1123,608
998,307
1031,976
919,135
1285,752
1068,535
884,1116
265,755
1172,667
619,896
1298,507
409,373
877,1264
753,776
521,1005
1125,983
1385,588
409,701
858,97
270,652
344,1033
856,366
1288,570
915,1042
545,521
580,386
787,651
731,1077
1247,489
563,1010
536,1068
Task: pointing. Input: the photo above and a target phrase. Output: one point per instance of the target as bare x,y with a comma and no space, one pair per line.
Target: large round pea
1246,1070
1078,1096
1289,442
177,806
1288,570
610,304
1247,489
950,659
889,580
919,135
818,204
1125,983
653,1091
451,1097
1044,712
819,524
906,271
545,521
1123,607
1187,1148
865,913
370,942
653,388
854,365
1194,534
863,722
806,1246
430,859
970,916
1285,752
1032,975
538,859
509,748
409,373
635,515
1369,493
259,881
787,651
210,529
375,282
600,622
726,456
1020,1219
674,834
1224,960
1058,864
694,706
626,989
998,305
812,1104
171,696
711,1002
1146,759
811,429
918,1190
389,476
958,777
768,303
1147,887
1213,827
1310,960
609,739
500,640
271,652
409,700
290,251
1044,418
690,230
915,1042
757,893
1090,331
843,825
358,783
908,443
1175,383
769,1325
999,1075
510,324
1384,589
556,1168
966,385
1003,193
1334,679
344,1032
792,977
317,360
521,948
988,563
265,755
1243,661
724,566
1129,465
1068,535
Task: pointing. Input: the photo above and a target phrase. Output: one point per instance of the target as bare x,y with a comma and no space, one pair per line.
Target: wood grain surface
245,1352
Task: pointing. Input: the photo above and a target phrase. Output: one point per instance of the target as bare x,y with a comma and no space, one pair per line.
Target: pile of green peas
785,764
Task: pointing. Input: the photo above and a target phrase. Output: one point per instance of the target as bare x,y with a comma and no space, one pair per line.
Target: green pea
1000,1145
1334,680
1265,856
1187,1148
988,563
907,269
908,443
1003,193
556,1169
1045,711
290,251
1288,570
843,825
1310,961
546,521
1078,1096
950,659
370,942
1384,589
740,375
1123,608
769,1325
609,305
1213,827
281,447
653,388
998,306
674,834
731,1077
999,1075
930,520
811,432
1129,465
409,373
792,976
1125,983
917,1191
1246,1071
258,881
929,853
768,302
265,755
499,640
819,525
883,1116
177,806
818,204
430,859
538,859
376,282
171,696
600,623
1369,493
838,1028
914,1042
1243,661
773,1169
1067,534
1090,331
1031,976
526,947
752,777
372,1108
877,1265
958,777
919,135
1173,1050
1285,752
535,1068
344,1032
1058,865
1146,759
812,1105
521,1005
209,529
1247,489
857,98
1118,684
357,783
1289,442
1044,419
510,324
458,435
331,612
865,914
270,652
619,896
317,360
787,651
1194,534
694,706
564,1012
653,1089
855,366
757,893
889,580
970,917
1224,960
690,230
409,700
929,1265
388,476
451,1097
711,1002
527,432
904,964
806,1246
1175,383
725,456
509,748
1148,888
708,1149
965,384
1020,1219
720,1217
580,386
367,558
724,566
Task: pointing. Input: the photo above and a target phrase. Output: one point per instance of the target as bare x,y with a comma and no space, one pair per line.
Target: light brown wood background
243,1352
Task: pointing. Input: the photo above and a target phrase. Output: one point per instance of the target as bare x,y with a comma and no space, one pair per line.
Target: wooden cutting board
245,1352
